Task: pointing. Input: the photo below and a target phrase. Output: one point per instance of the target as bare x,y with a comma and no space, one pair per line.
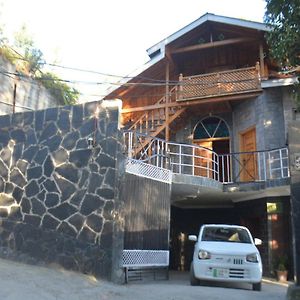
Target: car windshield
226,234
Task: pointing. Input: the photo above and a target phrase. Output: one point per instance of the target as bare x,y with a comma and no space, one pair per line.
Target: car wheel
256,286
193,279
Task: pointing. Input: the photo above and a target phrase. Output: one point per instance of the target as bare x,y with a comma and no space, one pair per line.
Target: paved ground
24,282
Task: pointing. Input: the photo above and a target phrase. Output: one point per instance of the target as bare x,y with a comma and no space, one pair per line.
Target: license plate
218,272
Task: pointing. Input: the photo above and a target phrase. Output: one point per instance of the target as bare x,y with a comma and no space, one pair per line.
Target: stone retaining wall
58,188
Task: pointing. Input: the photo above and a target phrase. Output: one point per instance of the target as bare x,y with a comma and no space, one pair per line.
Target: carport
196,201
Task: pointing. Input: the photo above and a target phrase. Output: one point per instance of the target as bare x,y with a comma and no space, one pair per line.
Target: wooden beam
167,129
212,45
261,60
240,96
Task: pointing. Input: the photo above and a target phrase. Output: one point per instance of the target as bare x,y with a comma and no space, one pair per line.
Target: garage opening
185,221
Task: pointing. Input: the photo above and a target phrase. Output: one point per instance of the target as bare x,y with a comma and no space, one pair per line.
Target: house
212,106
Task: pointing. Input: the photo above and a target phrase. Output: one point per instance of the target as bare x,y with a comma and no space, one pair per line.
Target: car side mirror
193,238
257,242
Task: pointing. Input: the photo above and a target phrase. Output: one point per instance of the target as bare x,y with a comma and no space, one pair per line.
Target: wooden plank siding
147,213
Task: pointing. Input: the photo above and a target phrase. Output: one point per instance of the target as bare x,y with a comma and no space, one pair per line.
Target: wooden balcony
223,83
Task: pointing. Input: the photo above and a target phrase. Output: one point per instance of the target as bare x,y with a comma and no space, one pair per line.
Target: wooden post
179,96
167,130
257,67
261,61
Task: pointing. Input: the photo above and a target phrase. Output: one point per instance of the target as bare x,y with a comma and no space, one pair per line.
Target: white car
226,253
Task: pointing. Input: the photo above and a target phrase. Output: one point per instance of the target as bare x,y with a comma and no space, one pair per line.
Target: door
203,159
222,148
248,161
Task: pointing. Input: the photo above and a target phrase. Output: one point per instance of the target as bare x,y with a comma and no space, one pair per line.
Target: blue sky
110,36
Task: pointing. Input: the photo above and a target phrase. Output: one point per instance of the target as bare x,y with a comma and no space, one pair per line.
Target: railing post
180,87
257,68
270,168
207,167
180,160
130,134
193,166
218,83
223,169
229,167
281,165
287,157
259,168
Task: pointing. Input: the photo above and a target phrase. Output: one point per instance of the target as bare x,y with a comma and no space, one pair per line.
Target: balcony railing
219,84
199,161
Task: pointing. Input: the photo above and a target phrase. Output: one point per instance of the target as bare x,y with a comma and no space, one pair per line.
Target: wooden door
248,161
203,159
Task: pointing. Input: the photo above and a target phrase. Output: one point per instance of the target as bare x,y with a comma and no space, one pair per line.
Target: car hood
230,248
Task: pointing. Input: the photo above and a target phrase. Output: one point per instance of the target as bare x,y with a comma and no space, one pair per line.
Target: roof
157,52
207,17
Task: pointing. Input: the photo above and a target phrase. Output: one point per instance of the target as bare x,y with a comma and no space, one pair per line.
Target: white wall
30,94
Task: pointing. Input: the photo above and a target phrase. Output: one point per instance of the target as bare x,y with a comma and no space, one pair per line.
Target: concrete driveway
25,282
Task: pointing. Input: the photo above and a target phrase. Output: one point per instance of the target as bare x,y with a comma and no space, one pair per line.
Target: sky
109,36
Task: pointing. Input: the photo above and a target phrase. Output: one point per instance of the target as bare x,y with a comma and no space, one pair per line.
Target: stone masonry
58,194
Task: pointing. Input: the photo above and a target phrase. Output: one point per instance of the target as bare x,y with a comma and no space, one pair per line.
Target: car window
225,234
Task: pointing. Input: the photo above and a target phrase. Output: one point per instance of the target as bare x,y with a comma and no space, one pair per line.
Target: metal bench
139,264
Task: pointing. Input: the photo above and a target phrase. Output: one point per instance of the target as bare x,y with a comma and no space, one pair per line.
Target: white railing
146,170
254,166
199,161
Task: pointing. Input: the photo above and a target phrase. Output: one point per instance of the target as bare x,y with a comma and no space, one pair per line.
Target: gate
147,219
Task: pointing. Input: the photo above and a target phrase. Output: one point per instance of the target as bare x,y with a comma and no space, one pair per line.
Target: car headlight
253,257
204,254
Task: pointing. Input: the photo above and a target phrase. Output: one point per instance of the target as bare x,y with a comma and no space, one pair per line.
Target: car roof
223,225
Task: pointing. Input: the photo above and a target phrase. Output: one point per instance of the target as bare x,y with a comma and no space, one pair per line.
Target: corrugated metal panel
147,213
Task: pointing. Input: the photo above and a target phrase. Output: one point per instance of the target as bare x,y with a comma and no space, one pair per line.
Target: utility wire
95,72
87,82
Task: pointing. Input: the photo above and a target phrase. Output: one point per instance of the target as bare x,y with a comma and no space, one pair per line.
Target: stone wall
265,113
58,186
30,94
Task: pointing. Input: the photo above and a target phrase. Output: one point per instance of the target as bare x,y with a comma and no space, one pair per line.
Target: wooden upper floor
208,63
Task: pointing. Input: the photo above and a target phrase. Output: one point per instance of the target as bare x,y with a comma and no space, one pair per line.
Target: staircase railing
150,120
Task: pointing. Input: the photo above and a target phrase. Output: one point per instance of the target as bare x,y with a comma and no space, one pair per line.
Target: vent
236,273
237,261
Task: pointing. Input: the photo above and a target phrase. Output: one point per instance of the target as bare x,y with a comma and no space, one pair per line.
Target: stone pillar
294,152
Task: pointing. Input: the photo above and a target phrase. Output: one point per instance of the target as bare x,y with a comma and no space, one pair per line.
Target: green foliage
31,62
284,39
60,90
9,54
32,55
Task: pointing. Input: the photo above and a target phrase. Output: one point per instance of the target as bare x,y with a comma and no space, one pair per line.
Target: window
211,127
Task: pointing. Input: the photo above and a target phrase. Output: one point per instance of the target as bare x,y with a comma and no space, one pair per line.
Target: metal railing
199,161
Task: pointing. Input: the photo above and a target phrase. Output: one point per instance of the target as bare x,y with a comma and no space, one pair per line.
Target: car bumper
250,272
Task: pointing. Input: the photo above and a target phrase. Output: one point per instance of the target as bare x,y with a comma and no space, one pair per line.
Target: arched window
211,127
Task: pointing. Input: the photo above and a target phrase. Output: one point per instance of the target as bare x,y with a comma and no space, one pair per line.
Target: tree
60,90
33,55
29,60
284,38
